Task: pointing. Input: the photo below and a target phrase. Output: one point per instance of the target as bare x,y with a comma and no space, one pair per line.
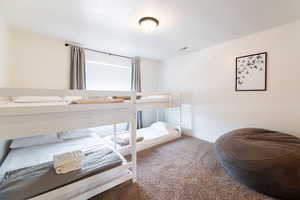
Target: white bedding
37,99
25,157
150,133
13,104
151,136
66,101
152,99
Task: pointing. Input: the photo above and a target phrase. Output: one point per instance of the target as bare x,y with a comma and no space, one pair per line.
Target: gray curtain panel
136,85
78,75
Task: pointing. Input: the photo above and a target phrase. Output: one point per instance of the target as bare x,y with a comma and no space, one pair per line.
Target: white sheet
37,99
9,104
151,136
164,126
152,99
25,157
150,133
155,140
12,104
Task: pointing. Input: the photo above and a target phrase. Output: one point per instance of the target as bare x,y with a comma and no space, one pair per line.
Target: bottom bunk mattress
31,181
153,137
146,137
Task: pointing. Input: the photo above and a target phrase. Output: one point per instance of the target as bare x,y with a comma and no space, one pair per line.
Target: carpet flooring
184,169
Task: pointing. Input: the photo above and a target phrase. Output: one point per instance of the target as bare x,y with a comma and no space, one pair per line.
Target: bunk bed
159,132
155,101
39,118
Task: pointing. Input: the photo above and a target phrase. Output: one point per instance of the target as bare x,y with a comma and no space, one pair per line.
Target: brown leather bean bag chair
264,160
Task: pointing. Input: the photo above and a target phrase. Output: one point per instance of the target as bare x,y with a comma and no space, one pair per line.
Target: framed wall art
251,72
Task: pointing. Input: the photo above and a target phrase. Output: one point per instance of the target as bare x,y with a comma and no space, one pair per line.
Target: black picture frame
265,70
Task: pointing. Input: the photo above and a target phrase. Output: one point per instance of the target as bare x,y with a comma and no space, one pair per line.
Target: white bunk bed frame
174,100
17,122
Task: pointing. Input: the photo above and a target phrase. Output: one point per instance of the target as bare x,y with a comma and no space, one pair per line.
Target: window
104,72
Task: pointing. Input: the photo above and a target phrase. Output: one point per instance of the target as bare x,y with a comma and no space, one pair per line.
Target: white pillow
37,99
163,126
34,141
81,133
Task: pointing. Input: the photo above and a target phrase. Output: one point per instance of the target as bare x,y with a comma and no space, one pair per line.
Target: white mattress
150,133
25,157
9,104
152,99
13,104
151,136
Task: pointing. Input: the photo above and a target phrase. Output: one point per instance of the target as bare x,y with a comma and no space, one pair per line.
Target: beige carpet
185,169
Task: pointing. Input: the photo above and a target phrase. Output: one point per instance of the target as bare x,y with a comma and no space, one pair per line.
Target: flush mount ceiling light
183,48
148,23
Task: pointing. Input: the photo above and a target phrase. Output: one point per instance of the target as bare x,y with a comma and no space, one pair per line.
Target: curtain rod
103,52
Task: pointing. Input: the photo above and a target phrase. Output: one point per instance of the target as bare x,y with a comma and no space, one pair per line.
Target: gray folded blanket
35,180
124,141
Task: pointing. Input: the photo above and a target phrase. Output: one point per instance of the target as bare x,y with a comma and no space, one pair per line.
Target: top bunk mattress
62,103
52,101
40,177
153,99
12,104
36,102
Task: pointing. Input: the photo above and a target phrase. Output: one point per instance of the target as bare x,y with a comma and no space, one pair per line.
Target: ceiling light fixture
183,49
148,23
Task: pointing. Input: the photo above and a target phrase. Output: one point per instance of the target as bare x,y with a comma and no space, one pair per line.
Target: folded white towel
66,162
68,167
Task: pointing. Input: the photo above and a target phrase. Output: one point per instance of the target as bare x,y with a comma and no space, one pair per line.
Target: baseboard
189,132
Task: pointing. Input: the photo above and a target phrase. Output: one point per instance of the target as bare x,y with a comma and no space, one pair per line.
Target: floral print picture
251,72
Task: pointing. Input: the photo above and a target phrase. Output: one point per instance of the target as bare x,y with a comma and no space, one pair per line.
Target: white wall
149,73
39,61
5,53
207,80
5,40
43,62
